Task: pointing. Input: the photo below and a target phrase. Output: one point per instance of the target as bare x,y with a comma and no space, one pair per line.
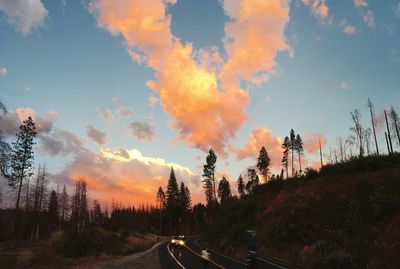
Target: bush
89,242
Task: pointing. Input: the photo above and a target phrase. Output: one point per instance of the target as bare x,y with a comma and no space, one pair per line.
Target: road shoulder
145,259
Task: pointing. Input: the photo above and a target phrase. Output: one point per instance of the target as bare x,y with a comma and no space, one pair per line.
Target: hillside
348,216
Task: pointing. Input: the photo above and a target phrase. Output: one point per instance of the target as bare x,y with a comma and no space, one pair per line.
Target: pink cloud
260,137
311,142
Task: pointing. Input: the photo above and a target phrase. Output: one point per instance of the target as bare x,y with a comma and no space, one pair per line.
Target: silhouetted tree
224,190
64,206
53,211
263,163
172,191
240,186
285,158
22,157
395,123
367,140
292,147
371,111
209,176
358,130
97,215
184,197
253,180
299,148
389,137
161,200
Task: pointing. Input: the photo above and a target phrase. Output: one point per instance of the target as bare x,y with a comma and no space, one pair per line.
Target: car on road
178,241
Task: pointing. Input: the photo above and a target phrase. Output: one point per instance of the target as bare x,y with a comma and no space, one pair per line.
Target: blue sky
66,62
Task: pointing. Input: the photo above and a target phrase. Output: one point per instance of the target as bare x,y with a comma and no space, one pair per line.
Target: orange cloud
259,137
187,81
253,38
311,142
126,176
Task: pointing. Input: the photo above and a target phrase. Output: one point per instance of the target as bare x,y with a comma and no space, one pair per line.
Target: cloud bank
207,88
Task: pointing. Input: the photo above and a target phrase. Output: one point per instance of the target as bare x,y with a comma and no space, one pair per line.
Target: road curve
188,257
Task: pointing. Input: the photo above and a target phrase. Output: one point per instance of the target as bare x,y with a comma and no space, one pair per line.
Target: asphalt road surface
188,257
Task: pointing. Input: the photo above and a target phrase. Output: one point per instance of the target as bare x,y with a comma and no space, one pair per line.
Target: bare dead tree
358,130
371,111
388,134
395,123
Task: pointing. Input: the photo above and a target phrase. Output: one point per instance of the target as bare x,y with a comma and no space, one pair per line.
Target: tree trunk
373,128
387,142
320,152
388,133
292,163
19,192
300,161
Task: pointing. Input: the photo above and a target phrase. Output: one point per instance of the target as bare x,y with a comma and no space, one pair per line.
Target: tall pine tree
22,157
263,163
209,176
285,158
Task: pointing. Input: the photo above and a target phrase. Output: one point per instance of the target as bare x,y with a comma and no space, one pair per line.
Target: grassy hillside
348,216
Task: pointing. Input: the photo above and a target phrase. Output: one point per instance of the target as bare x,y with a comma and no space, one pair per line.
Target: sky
121,91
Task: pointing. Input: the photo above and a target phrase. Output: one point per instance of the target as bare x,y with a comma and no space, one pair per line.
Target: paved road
188,257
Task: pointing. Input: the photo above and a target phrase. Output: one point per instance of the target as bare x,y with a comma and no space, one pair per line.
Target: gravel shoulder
145,259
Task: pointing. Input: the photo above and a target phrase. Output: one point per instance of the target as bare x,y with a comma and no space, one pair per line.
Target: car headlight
181,243
173,241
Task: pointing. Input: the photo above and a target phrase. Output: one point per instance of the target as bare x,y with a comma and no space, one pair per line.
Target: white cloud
24,14
3,71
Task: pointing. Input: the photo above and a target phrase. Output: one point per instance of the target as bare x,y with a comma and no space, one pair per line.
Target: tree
395,123
367,140
184,197
285,158
209,176
292,147
161,199
97,215
299,148
263,163
79,205
64,205
253,180
358,130
53,211
241,186
5,148
22,157
224,190
172,191
371,111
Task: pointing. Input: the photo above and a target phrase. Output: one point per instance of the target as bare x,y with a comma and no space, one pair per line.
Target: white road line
232,259
274,264
213,262
172,255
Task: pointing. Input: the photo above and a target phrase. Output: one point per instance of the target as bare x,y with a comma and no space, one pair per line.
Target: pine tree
285,158
161,200
22,157
292,147
209,176
224,190
240,186
263,163
172,191
64,205
299,149
184,197
253,180
53,211
97,216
